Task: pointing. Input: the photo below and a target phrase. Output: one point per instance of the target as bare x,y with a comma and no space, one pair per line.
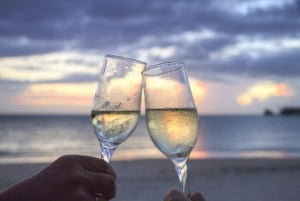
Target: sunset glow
81,94
262,91
199,91
47,64
62,94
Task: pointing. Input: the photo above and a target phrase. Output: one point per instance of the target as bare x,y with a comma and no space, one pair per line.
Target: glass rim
147,69
124,58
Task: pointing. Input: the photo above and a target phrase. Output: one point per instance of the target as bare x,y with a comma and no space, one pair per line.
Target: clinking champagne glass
171,115
116,106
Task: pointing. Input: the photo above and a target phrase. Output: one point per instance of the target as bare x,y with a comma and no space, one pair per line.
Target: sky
242,56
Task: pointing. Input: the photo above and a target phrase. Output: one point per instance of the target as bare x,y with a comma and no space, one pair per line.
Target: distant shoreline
286,111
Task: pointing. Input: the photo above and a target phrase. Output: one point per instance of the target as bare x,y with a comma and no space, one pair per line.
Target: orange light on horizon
81,94
54,101
263,91
58,94
199,90
283,90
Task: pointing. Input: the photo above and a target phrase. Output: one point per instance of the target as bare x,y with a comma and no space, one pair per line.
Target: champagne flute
171,115
116,106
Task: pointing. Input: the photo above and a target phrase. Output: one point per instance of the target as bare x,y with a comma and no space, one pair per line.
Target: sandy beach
218,179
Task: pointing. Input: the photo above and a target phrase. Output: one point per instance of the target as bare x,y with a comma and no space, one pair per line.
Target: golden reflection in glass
198,151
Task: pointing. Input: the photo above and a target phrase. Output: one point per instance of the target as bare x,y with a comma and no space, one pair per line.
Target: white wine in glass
116,106
171,115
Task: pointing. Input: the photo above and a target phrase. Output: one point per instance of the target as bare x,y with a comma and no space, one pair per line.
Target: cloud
262,91
64,41
39,27
257,58
156,51
58,94
50,67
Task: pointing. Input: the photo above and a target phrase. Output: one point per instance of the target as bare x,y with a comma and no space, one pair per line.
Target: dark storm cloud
8,87
34,26
284,64
14,46
281,64
201,50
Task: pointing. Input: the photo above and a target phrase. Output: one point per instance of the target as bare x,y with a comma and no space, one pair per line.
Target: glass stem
107,151
181,169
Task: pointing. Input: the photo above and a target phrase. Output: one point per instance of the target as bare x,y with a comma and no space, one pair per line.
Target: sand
219,179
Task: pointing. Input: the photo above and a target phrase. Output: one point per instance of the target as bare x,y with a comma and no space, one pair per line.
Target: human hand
176,195
69,178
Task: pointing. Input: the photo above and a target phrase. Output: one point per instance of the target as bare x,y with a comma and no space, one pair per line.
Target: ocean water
42,138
